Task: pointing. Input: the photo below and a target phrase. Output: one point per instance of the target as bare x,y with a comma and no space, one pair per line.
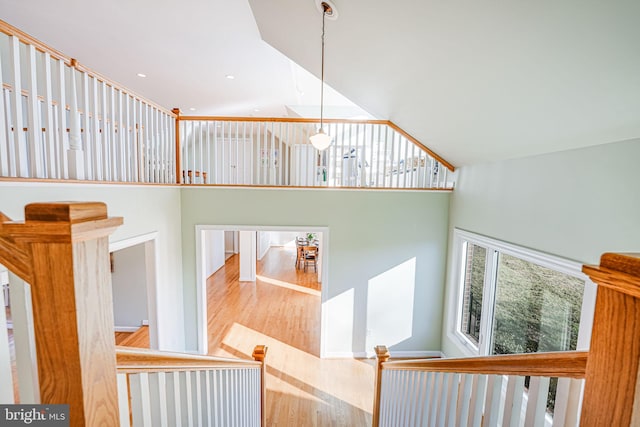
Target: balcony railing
277,152
65,121
62,121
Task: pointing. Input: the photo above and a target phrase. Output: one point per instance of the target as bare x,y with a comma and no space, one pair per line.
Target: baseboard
415,354
371,354
343,355
126,328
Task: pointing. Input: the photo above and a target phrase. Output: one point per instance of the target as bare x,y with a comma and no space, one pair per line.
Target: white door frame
201,280
151,264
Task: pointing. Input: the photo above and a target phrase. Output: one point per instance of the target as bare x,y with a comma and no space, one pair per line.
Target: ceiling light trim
332,12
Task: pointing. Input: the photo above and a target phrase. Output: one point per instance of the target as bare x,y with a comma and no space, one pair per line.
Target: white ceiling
473,80
186,49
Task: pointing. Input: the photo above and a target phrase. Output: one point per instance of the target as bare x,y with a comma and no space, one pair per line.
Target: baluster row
63,122
423,398
278,153
215,397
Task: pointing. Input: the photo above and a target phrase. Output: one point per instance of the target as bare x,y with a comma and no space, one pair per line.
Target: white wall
264,243
213,242
575,204
229,241
145,209
129,284
281,238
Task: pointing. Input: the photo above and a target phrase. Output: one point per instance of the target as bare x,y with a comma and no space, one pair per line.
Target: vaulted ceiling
475,81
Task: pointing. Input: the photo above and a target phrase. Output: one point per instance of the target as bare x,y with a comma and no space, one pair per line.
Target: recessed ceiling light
230,77
142,75
192,109
256,109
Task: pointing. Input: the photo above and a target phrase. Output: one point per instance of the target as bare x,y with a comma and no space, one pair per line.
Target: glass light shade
320,140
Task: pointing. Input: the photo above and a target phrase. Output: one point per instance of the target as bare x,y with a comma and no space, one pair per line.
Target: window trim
493,247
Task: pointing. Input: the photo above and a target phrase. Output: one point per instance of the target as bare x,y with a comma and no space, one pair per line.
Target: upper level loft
62,121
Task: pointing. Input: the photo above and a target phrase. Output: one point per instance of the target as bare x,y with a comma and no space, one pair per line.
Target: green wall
370,234
145,209
575,204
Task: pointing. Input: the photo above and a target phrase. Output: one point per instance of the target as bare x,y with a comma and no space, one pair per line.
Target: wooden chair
300,244
310,257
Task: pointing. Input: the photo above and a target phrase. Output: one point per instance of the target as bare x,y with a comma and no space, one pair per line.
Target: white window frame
494,247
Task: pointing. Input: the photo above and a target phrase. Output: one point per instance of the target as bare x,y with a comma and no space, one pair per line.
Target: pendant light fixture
321,140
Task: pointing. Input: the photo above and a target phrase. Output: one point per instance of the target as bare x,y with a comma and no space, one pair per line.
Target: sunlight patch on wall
339,313
390,305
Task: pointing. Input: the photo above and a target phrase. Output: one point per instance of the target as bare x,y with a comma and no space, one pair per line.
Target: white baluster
34,131
478,393
452,399
63,136
493,401
158,399
104,137
86,125
17,155
464,400
6,379
174,401
436,393
196,385
74,154
49,136
140,399
215,398
207,395
187,396
24,339
423,418
123,400
513,401
5,126
537,402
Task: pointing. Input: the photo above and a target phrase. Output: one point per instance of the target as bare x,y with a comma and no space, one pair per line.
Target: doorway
270,244
134,269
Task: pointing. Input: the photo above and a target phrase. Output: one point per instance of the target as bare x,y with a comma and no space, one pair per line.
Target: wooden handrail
312,120
10,30
141,360
281,119
564,364
612,392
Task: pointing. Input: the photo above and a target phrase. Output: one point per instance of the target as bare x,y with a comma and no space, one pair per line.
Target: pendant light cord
324,14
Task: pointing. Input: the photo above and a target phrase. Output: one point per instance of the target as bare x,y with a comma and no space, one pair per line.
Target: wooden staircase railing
62,250
160,388
471,392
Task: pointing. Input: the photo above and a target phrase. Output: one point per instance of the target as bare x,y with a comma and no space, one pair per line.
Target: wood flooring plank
282,310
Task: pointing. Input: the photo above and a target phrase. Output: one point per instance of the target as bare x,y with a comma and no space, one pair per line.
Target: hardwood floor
139,338
282,310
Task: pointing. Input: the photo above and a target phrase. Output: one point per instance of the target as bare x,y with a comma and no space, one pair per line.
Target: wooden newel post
382,355
611,395
259,355
62,250
176,111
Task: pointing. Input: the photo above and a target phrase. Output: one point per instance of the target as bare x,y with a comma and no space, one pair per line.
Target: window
515,300
475,262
